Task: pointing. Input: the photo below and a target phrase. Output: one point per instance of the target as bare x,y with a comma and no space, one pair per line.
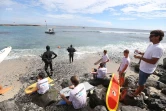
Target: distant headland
18,25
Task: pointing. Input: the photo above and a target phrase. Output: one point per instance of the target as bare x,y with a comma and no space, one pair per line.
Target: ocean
30,41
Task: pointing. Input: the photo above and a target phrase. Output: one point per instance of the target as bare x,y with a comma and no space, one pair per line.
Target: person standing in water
71,51
47,58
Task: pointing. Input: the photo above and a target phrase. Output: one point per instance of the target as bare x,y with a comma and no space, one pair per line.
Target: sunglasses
152,36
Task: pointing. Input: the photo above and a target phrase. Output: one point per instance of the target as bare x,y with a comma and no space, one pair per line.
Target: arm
55,55
150,61
141,53
125,67
64,98
93,72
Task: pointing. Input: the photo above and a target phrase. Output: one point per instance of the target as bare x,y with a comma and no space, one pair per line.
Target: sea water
29,41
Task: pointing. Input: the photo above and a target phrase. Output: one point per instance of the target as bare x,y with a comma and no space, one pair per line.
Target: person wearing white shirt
123,66
42,84
105,58
100,76
77,96
149,59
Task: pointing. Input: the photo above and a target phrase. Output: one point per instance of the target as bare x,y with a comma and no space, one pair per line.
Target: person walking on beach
149,59
123,66
105,58
77,96
71,51
47,58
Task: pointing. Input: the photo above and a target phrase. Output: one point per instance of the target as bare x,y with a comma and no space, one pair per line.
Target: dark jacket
71,50
47,56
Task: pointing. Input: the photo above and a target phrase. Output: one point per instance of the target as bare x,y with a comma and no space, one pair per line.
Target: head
71,45
156,36
41,75
101,65
126,52
47,47
74,80
105,52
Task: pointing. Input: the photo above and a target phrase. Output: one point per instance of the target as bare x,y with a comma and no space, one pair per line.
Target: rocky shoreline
155,91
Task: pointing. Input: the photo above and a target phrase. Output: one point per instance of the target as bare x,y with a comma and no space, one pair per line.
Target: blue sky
131,14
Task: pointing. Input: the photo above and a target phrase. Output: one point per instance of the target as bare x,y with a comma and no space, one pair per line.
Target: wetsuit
47,58
71,51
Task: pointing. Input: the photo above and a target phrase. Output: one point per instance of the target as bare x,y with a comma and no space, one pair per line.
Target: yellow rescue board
33,88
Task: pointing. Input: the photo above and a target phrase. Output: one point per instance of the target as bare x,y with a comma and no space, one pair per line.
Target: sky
129,14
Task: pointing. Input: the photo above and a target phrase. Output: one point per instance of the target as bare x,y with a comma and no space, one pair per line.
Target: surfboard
113,92
4,52
4,90
33,87
97,62
66,91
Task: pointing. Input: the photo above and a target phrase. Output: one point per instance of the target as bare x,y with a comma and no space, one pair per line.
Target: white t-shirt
101,72
78,96
42,86
153,51
105,58
123,63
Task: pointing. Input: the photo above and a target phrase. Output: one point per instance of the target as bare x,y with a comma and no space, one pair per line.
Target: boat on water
50,31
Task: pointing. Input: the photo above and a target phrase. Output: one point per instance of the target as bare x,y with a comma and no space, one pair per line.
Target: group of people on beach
148,64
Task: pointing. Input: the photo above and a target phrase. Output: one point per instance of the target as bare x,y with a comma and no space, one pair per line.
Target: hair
101,65
74,80
71,45
41,75
47,47
158,33
105,51
126,51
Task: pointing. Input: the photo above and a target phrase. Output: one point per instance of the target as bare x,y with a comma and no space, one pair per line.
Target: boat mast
46,23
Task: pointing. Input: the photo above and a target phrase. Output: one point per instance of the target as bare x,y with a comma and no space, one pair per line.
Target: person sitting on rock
99,76
42,84
77,96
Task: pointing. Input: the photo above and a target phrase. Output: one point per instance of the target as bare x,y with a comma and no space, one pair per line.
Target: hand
71,87
62,95
137,57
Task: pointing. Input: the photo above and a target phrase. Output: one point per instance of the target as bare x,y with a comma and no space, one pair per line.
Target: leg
51,69
142,80
72,57
46,69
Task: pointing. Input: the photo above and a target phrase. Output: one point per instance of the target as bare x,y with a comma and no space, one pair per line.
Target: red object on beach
113,92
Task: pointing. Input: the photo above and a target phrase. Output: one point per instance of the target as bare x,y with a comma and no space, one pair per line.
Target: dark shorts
142,77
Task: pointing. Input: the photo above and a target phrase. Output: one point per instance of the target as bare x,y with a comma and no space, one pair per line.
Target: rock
8,105
133,101
164,63
136,68
155,104
163,91
45,99
131,81
65,83
156,84
100,108
131,108
163,79
147,91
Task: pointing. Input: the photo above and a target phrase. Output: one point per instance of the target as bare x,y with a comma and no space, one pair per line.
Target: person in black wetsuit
47,58
71,51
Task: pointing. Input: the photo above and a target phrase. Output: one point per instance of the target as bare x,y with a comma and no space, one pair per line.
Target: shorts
143,77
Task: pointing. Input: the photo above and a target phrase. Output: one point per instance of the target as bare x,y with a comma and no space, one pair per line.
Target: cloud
126,18
9,9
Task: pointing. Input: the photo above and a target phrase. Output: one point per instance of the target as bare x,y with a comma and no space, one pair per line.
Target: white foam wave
124,32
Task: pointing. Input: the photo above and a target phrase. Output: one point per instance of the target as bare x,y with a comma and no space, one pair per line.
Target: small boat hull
50,32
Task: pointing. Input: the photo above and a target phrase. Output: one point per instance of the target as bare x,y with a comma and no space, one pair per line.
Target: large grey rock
163,91
46,99
163,79
8,105
100,108
156,84
131,108
131,81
